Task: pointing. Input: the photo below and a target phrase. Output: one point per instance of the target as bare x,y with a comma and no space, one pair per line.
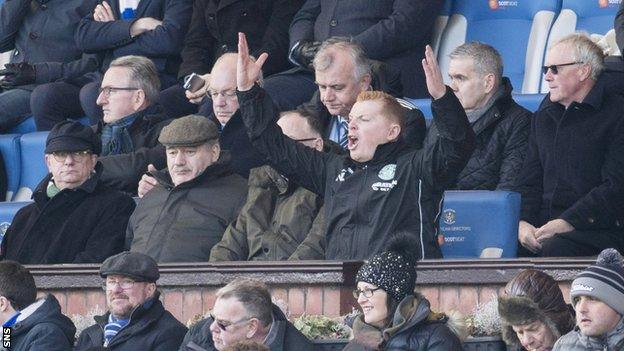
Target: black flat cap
72,136
138,266
191,130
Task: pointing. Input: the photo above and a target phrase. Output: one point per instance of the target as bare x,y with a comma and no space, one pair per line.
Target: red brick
449,298
192,305
314,300
468,297
173,301
331,302
208,299
96,299
565,290
296,302
433,295
76,303
61,297
486,293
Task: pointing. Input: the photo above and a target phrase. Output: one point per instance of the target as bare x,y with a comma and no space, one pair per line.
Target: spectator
243,312
533,312
572,180
393,316
74,217
198,191
500,124
154,29
394,32
136,319
248,346
382,186
35,324
40,36
214,30
132,122
598,299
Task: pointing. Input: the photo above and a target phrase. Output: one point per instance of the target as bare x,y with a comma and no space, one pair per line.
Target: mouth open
352,142
366,309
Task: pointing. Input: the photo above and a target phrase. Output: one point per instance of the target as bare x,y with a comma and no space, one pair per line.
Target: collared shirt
337,130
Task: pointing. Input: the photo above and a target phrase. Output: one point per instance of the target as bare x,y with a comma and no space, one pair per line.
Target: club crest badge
387,173
448,216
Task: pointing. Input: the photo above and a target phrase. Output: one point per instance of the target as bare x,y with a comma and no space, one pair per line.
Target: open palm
247,70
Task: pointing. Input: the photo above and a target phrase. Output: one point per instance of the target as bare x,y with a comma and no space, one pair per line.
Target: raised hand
247,70
435,83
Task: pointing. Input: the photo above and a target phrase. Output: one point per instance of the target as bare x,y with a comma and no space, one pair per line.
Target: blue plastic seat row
24,162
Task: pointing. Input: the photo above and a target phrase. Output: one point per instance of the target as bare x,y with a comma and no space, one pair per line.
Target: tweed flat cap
72,136
135,265
191,130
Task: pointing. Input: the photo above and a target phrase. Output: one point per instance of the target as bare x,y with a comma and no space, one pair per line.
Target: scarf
116,139
113,327
477,113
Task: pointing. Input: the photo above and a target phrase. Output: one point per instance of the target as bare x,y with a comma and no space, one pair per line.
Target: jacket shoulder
568,342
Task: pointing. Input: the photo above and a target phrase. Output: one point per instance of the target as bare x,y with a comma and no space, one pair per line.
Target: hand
526,236
198,96
16,74
305,52
103,13
433,75
143,25
551,228
247,71
147,183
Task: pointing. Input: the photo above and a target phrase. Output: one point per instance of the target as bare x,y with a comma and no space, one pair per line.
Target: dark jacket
286,337
502,138
366,203
123,172
182,223
81,225
215,25
151,328
276,218
392,31
415,327
45,329
576,341
573,169
618,25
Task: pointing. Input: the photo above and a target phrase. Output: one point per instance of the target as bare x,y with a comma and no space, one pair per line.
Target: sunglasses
555,68
223,325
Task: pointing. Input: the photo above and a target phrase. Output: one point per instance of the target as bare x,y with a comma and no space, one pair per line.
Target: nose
549,75
453,85
179,159
526,340
101,99
329,95
361,299
214,328
220,100
69,159
581,306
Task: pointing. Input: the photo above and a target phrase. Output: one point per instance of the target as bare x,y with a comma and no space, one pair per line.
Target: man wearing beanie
136,319
197,196
74,218
597,295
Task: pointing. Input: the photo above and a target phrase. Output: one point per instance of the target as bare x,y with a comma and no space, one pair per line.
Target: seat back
33,167
10,149
7,212
440,24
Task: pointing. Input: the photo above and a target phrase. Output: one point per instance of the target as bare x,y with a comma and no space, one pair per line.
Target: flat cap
135,265
72,136
191,130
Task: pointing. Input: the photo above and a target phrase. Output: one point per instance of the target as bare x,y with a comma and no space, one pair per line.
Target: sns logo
6,337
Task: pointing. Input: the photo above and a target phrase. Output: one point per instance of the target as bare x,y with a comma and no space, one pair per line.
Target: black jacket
86,224
151,328
502,138
287,337
574,168
215,25
366,203
45,329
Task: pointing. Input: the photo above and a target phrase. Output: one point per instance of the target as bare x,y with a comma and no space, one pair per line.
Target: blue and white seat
33,167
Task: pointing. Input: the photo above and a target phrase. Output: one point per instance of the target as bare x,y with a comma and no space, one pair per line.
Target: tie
344,131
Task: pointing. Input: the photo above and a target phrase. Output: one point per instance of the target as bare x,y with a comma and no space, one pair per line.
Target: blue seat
7,212
480,223
33,167
28,125
440,24
529,101
10,149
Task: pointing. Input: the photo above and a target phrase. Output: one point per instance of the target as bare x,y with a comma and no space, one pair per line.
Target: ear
48,161
584,72
216,151
252,328
394,131
139,99
489,81
319,144
151,289
365,82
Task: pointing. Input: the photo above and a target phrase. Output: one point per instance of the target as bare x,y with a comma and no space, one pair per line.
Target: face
368,128
187,162
297,128
471,88
231,314
223,89
338,85
375,308
594,317
71,172
566,85
120,103
123,294
535,336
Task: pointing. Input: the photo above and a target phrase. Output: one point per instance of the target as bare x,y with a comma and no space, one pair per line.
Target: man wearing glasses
74,217
136,319
572,180
244,311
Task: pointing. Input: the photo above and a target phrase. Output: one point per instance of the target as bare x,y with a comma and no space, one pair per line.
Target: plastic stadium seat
28,125
529,101
7,212
10,149
33,167
440,24
480,223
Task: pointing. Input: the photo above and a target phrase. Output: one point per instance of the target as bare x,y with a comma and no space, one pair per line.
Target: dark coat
288,338
367,203
151,328
215,26
574,168
502,138
392,31
123,172
182,223
46,329
81,225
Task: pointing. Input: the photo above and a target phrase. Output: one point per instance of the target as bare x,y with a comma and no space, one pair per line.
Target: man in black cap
198,191
74,217
136,319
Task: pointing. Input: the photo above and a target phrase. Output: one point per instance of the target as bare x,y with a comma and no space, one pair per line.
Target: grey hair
253,295
260,80
585,51
485,58
326,55
143,72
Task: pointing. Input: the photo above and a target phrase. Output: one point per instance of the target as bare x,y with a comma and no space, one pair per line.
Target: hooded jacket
575,341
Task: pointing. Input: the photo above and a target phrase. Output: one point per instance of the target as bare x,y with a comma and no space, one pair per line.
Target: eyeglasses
108,90
223,325
78,156
555,68
123,284
227,94
368,293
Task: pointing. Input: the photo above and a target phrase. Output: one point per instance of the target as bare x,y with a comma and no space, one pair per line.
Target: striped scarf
116,138
113,327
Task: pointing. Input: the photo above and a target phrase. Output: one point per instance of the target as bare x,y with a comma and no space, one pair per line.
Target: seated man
572,180
598,299
132,122
244,311
500,124
74,217
382,186
198,192
136,319
35,324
